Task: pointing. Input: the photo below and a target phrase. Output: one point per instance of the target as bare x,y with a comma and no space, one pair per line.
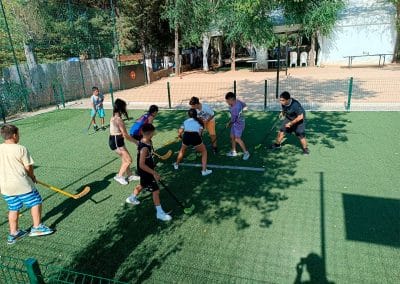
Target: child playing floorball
97,108
236,124
148,117
147,173
206,114
190,132
17,185
294,121
116,142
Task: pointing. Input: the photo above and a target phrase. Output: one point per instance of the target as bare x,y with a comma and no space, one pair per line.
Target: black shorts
299,128
191,139
116,141
148,183
137,137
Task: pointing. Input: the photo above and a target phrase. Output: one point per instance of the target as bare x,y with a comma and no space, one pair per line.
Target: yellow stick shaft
56,189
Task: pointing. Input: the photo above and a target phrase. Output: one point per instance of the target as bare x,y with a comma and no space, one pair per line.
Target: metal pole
265,94
169,95
62,95
112,95
116,43
279,67
55,95
27,108
34,274
234,87
349,94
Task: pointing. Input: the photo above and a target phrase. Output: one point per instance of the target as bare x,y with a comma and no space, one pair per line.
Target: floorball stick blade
189,210
84,191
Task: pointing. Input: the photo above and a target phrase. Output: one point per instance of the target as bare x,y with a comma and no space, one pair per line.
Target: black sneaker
275,146
95,127
306,152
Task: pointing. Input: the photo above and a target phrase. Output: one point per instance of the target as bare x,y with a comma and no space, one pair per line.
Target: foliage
247,21
314,15
140,25
57,29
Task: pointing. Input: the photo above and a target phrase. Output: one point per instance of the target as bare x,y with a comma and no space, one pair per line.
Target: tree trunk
311,55
30,56
219,48
206,44
233,57
262,57
177,61
397,43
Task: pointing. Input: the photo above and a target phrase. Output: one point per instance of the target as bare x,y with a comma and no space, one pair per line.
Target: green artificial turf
335,214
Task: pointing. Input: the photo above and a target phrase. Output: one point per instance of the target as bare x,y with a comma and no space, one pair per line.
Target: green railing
14,270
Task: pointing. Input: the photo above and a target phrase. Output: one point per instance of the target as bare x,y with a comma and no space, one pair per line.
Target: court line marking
254,169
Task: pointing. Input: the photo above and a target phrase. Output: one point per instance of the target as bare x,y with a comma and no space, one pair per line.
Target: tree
247,21
317,17
141,27
397,45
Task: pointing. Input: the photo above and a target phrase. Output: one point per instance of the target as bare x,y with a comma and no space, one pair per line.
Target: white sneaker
132,200
246,155
232,154
133,178
176,166
121,180
164,216
206,172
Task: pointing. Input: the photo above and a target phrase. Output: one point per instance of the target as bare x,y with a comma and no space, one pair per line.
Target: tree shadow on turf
67,207
132,246
118,252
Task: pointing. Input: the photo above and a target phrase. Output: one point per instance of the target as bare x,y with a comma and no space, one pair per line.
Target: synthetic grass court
337,210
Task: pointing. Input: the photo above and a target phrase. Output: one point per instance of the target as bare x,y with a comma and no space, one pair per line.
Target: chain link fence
54,51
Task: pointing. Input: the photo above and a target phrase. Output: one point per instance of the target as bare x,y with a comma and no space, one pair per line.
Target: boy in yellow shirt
17,184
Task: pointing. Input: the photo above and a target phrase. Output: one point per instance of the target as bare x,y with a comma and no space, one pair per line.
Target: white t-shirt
205,113
191,125
14,179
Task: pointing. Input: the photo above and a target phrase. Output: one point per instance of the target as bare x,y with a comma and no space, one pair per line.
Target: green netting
14,270
55,50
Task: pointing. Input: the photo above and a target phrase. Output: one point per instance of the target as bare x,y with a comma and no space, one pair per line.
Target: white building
364,27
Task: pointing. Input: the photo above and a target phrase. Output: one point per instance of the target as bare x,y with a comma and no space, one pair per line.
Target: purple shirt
236,110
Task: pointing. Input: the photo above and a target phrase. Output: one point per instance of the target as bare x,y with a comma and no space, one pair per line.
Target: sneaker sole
121,182
38,234
133,203
17,239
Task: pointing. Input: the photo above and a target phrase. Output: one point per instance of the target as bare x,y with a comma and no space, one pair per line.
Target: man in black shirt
294,121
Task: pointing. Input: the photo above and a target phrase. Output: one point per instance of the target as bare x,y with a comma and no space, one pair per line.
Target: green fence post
112,94
349,94
33,270
55,95
3,112
82,79
265,94
62,95
234,87
169,95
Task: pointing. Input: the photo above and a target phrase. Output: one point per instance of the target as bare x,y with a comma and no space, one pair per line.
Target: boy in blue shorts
237,125
97,108
148,175
17,185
